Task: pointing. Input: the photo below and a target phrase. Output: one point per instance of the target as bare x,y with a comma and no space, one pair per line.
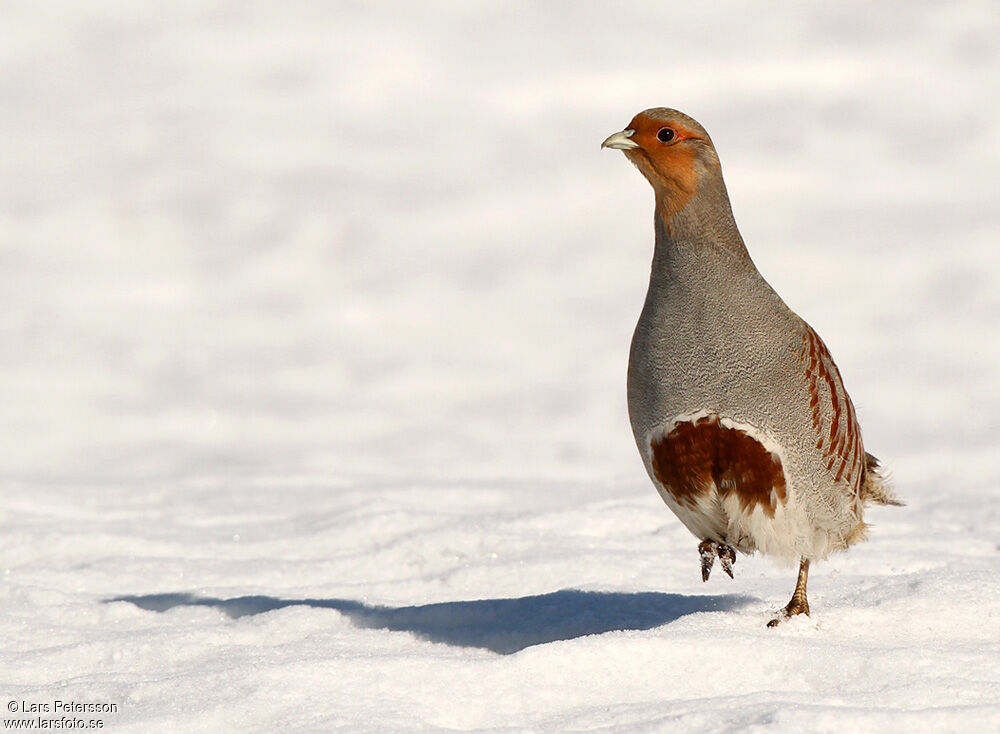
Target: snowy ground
312,353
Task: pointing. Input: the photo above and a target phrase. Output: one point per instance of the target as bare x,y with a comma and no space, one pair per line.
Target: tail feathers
877,488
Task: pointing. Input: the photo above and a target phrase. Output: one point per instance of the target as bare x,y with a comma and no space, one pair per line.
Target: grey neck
702,232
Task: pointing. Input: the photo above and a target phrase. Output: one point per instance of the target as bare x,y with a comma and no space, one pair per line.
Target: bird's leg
799,604
727,557
707,551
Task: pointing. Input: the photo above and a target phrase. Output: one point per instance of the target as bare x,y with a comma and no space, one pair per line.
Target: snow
315,321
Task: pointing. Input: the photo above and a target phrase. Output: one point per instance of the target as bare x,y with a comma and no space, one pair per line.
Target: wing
838,435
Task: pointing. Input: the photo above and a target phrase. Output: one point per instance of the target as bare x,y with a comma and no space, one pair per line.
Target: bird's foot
727,557
706,549
798,605
709,550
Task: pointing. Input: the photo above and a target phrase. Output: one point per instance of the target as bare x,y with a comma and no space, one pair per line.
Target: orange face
666,157
666,147
659,138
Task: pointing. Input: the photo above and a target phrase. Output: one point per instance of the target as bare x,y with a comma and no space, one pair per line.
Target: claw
707,561
707,550
799,604
727,557
795,606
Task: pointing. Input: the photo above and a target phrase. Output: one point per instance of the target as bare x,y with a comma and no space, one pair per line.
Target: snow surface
314,330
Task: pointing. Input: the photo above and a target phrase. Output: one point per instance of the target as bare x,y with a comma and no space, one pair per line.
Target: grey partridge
738,410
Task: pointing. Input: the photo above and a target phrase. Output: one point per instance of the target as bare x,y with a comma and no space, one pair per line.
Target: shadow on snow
501,625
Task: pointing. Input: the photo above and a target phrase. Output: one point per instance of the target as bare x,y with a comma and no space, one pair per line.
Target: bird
739,412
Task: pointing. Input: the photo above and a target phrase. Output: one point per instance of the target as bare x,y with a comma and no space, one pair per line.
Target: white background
329,305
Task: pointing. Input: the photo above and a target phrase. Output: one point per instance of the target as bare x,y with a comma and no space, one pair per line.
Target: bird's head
673,152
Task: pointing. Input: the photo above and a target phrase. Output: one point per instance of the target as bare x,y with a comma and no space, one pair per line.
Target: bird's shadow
502,625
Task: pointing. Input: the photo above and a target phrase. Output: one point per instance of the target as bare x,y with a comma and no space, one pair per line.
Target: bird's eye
665,135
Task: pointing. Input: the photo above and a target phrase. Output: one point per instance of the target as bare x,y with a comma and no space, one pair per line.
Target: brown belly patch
695,455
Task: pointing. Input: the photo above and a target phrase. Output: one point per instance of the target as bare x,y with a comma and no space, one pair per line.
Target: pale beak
620,141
